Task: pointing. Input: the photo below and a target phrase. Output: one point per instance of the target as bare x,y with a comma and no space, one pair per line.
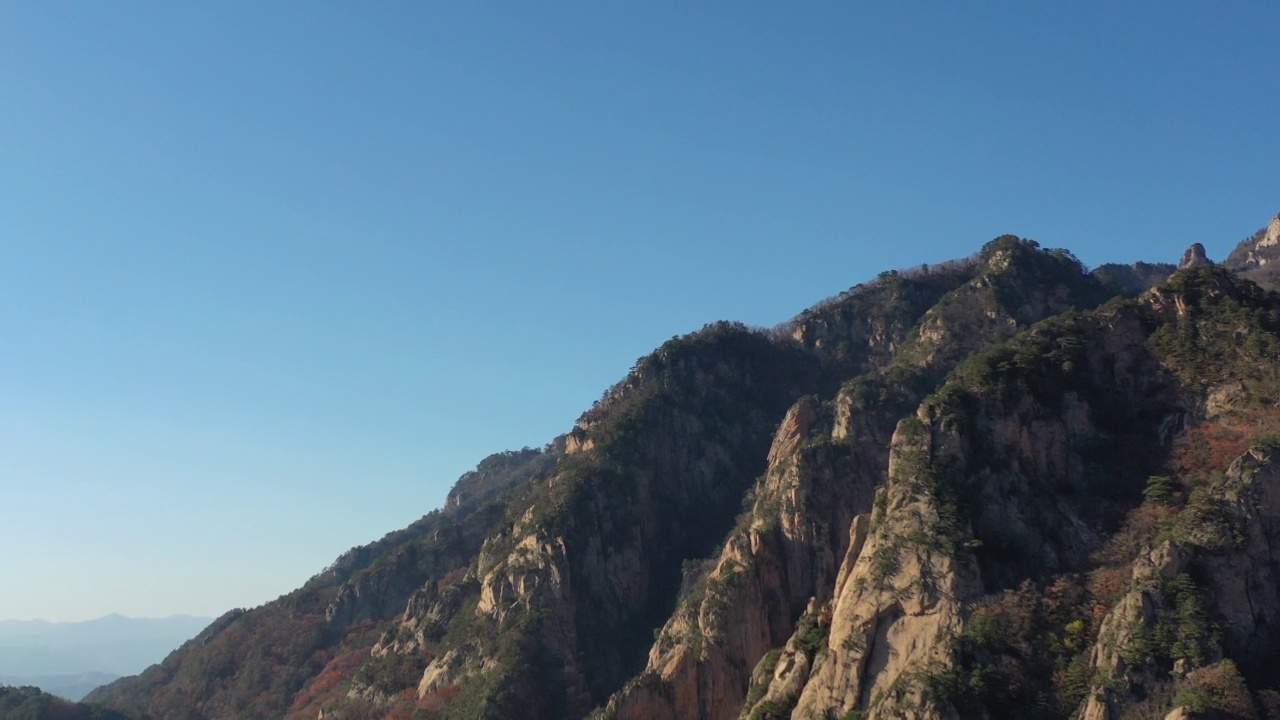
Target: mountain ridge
730,531
70,659
71,687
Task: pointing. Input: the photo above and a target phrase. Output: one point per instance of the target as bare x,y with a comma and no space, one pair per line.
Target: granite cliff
972,490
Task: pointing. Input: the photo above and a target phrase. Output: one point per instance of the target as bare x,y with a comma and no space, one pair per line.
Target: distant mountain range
71,687
70,659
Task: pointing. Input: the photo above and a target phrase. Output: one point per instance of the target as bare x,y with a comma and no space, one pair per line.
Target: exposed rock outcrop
1256,256
823,470
1193,257
985,489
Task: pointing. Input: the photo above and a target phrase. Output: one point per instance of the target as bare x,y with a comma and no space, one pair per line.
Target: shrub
1159,489
811,636
1217,688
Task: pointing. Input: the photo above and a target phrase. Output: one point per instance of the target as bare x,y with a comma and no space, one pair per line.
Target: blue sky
272,275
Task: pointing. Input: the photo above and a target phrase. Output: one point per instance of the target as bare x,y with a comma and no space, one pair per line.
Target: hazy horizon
106,617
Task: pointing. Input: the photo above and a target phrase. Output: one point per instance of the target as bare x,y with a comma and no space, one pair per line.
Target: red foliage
434,702
330,686
452,577
1210,447
1106,585
1063,599
1220,687
403,705
1141,526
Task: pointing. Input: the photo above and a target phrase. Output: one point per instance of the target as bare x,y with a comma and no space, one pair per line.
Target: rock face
1255,257
501,472
962,513
824,466
1193,257
992,488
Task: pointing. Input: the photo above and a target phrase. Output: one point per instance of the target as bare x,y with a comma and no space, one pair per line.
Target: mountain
1256,256
69,687
30,703
70,659
990,488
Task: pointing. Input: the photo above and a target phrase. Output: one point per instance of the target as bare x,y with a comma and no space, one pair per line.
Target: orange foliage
403,705
1141,525
437,701
1224,689
1106,584
452,577
1209,447
325,690
1064,598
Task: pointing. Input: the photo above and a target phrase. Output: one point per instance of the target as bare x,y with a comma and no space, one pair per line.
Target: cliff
1255,257
990,485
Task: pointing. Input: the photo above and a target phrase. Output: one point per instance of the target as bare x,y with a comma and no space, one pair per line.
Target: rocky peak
1193,257
501,472
962,490
793,431
1271,236
1255,257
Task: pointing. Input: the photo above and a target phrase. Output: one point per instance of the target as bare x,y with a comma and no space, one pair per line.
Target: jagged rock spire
1272,233
1193,257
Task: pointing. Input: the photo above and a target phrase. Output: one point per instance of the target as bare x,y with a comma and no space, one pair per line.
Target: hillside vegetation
31,703
996,487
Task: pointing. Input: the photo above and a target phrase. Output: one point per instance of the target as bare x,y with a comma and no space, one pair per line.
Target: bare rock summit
1193,257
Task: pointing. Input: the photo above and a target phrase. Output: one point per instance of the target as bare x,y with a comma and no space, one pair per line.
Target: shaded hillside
70,659
687,429
1051,524
31,703
1135,279
826,462
254,663
963,491
70,687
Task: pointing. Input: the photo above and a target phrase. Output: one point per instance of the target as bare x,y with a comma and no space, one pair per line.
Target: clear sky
272,275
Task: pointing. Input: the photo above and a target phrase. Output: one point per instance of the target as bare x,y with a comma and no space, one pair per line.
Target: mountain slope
71,687
826,461
257,663
961,491
1256,257
30,703
989,577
